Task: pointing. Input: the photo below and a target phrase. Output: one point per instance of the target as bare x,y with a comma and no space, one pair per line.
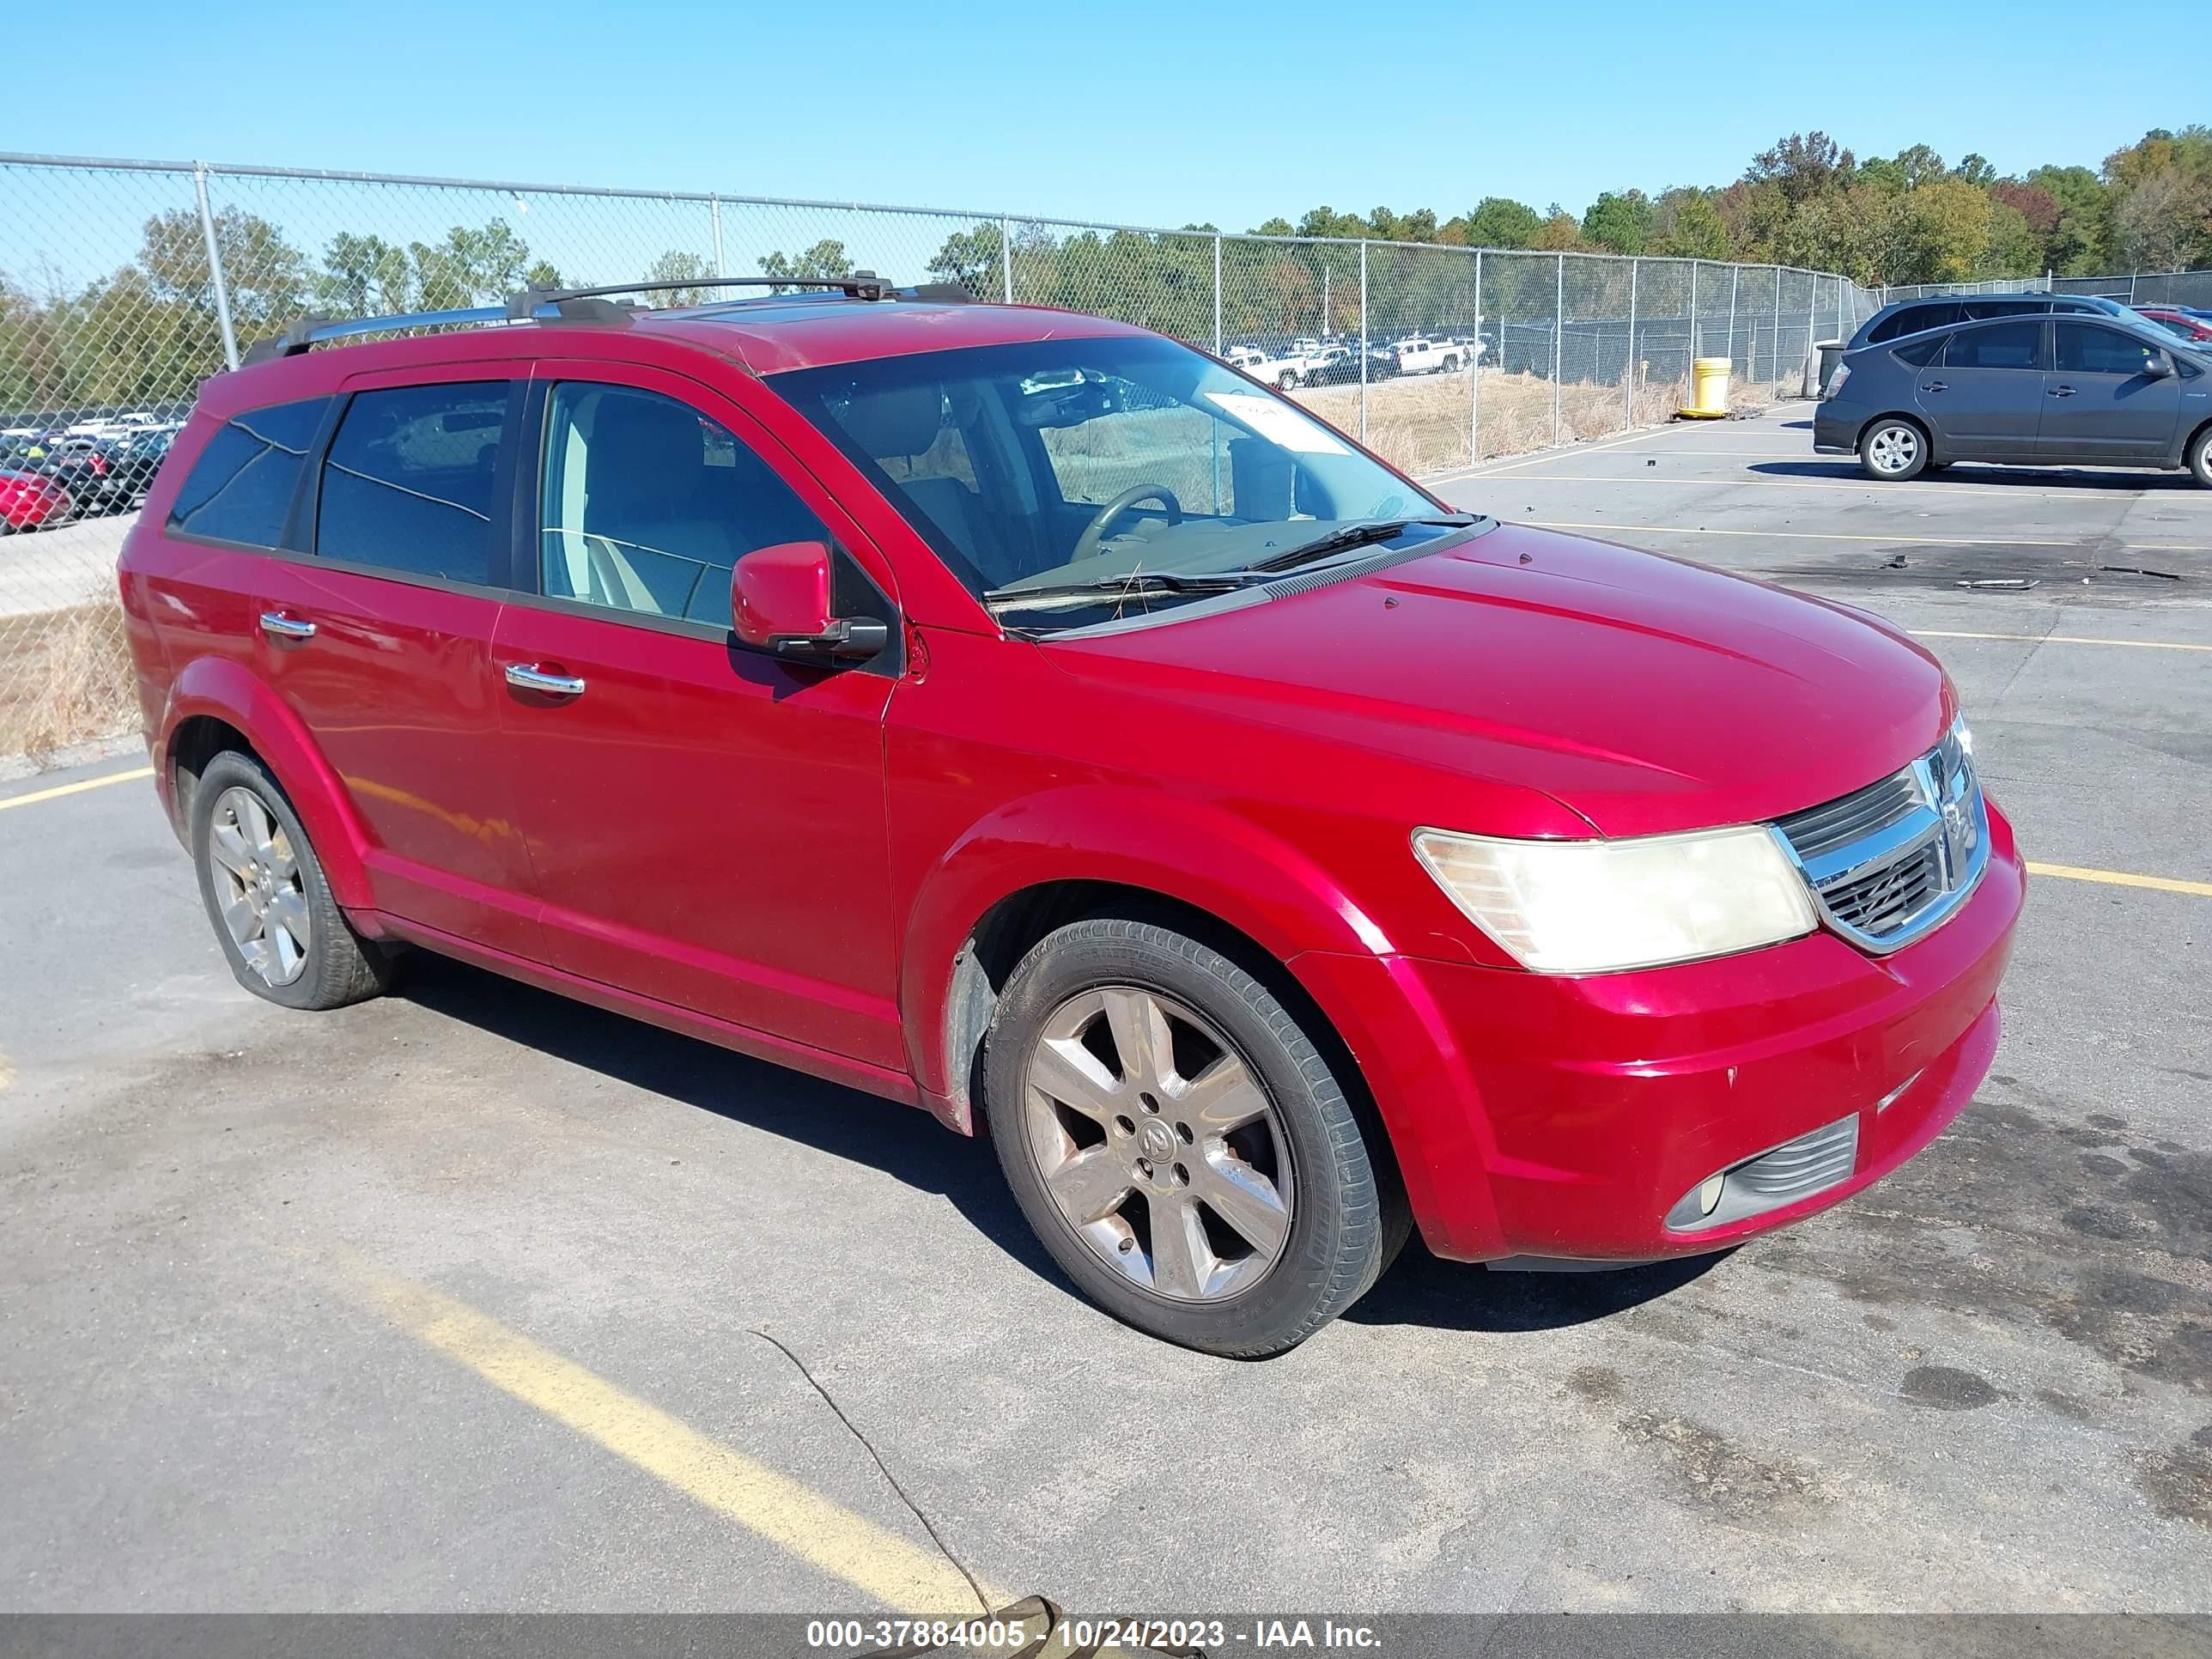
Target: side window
408,483
2007,345
1922,352
2085,348
240,488
1976,310
1912,319
647,504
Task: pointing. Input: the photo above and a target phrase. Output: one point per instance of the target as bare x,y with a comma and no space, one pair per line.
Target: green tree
1622,223
826,258
1500,221
681,265
2075,245
1801,166
1687,225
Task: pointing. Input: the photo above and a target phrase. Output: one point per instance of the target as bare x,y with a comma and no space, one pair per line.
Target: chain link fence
2135,288
123,284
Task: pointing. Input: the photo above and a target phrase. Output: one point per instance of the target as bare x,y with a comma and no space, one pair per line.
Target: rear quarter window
1920,353
240,488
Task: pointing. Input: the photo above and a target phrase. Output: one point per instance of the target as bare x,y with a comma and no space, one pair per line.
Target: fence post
1694,317
214,266
1006,258
1812,322
1776,366
1363,340
1216,294
1474,376
1628,375
1735,281
1559,338
2131,275
714,208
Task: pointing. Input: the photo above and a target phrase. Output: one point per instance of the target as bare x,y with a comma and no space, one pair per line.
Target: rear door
2101,403
380,641
1984,392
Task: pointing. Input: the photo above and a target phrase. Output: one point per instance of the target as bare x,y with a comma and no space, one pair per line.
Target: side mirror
780,602
2159,365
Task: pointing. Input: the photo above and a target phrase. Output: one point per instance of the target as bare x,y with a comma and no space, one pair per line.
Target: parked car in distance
1418,353
1903,316
1283,373
1022,716
2194,331
31,501
2051,389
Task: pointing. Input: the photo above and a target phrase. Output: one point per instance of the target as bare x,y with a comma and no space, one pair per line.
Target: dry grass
1420,424
65,677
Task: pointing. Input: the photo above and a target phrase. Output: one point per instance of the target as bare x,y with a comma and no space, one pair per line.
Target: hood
1644,694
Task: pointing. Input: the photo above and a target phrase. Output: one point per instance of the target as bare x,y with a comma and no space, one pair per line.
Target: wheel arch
1036,864
215,704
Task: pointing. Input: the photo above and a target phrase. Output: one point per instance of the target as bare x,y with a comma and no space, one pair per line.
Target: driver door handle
1937,386
278,626
530,677
2059,392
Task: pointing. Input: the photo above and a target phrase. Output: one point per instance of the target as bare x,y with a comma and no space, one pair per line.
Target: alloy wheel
257,886
1893,448
1159,1143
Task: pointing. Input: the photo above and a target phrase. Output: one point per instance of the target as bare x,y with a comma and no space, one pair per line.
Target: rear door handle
2059,392
278,626
529,677
1937,386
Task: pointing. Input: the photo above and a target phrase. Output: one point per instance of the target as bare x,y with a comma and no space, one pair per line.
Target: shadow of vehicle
904,1143
1457,1296
913,1147
1982,473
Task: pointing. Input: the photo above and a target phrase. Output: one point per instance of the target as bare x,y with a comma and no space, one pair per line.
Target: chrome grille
1888,862
1824,829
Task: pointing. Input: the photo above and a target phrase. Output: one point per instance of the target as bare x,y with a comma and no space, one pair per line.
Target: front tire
279,928
1893,449
1289,382
1179,1143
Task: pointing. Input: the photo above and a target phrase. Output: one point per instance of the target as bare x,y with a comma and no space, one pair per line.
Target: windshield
1130,462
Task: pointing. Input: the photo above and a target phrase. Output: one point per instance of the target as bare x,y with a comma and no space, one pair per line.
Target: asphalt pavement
463,1299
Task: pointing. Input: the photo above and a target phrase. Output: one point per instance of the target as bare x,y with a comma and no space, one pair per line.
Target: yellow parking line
76,788
765,1502
1905,537
2055,639
2121,879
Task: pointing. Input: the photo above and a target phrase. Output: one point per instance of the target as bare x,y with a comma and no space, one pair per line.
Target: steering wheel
1086,544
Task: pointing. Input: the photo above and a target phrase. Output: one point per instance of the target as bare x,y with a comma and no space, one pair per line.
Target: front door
1984,391
381,643
2100,401
707,823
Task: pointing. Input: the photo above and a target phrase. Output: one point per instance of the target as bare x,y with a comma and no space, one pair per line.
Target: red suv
1025,717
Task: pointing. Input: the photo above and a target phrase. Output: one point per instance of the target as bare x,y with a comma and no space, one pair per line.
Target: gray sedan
2055,391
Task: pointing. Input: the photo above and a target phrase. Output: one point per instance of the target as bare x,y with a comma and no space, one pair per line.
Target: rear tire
1893,449
279,928
1179,1143
2200,457
1289,381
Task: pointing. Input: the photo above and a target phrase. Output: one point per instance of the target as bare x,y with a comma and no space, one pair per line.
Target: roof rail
861,285
580,305
309,329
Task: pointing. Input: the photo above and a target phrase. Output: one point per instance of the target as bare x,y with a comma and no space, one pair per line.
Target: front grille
1824,829
1888,862
1892,895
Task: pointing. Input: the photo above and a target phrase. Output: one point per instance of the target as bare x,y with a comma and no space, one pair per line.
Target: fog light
1709,1195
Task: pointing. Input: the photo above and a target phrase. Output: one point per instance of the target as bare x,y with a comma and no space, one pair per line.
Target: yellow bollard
1709,390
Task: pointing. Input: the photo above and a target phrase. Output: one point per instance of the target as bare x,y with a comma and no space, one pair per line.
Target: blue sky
1133,110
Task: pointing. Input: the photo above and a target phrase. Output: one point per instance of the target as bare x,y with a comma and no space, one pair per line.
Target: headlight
1593,907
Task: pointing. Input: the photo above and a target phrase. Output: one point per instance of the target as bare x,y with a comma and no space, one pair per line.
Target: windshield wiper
1134,584
1356,535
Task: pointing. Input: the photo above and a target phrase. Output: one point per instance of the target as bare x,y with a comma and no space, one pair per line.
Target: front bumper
1540,1116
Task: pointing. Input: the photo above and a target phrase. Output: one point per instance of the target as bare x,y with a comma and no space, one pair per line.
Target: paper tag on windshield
1277,424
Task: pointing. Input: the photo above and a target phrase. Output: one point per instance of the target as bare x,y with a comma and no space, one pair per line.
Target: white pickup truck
1283,373
1418,353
